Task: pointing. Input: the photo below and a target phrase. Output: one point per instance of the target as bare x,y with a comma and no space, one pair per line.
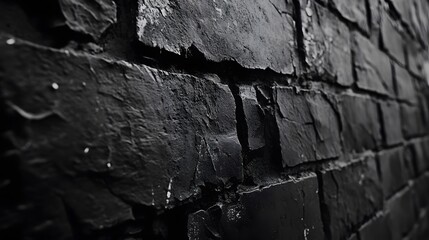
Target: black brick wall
179,119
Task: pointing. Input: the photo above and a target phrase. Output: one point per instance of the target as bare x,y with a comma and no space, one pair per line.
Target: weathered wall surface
186,119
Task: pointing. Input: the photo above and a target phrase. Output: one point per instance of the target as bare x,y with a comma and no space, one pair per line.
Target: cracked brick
308,126
256,34
353,10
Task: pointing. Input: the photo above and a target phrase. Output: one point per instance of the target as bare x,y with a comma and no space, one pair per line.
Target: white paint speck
10,41
109,165
55,86
306,232
169,191
86,150
153,198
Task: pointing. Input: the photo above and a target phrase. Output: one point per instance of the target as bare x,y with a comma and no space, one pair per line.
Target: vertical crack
241,126
299,33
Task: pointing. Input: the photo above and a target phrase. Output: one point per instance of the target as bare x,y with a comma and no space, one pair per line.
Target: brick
376,8
391,117
377,228
253,116
155,137
326,43
411,119
308,126
354,11
422,160
83,17
360,120
392,166
417,156
402,213
409,160
256,34
424,109
392,39
405,85
372,66
350,195
288,210
421,189
419,20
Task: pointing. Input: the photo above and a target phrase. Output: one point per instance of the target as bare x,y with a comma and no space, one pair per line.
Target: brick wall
258,119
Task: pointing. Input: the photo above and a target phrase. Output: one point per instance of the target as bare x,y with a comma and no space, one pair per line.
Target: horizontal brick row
151,136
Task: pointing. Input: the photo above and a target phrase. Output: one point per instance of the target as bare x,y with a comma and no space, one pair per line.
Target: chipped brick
152,137
326,44
256,34
254,119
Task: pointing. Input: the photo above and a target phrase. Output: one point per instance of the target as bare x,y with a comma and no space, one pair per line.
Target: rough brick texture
226,120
